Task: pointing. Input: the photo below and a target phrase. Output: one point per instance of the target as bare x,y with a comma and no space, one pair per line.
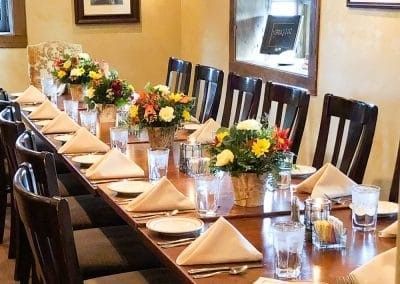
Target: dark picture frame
375,4
104,18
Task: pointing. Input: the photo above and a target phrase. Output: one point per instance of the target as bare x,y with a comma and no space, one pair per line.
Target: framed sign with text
107,11
388,4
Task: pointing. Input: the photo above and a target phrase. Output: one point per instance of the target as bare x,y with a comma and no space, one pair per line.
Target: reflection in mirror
274,34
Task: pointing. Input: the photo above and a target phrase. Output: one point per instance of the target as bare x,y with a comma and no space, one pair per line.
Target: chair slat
338,141
183,71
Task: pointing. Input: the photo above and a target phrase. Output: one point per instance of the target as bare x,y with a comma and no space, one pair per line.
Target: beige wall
359,58
139,52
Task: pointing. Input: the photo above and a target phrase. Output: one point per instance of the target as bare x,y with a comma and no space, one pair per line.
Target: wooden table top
253,223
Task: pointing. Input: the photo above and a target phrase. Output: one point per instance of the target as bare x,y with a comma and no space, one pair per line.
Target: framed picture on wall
389,4
107,11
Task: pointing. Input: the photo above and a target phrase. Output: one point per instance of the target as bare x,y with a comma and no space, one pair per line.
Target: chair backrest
42,56
42,163
207,89
5,181
47,223
295,101
357,145
10,129
178,75
395,188
3,95
249,92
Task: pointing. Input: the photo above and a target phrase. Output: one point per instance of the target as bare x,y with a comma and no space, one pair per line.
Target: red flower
282,140
116,87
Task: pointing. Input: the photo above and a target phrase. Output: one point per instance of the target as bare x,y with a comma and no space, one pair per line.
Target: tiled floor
6,265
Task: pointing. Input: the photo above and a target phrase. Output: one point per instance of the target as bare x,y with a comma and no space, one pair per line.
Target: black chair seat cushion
88,211
68,185
149,276
111,250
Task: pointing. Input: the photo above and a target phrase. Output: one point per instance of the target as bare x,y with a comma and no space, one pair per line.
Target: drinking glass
285,169
157,162
207,194
71,108
119,138
89,120
198,166
288,247
365,200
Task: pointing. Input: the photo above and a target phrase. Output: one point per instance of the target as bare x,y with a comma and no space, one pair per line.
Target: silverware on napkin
100,181
149,215
221,268
175,241
176,244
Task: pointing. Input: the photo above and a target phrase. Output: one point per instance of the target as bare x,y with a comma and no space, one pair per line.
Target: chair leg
12,250
3,208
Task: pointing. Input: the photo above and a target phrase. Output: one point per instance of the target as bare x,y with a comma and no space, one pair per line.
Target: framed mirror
276,40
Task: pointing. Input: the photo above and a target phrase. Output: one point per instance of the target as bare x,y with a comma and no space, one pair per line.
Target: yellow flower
130,87
95,75
224,158
77,72
133,111
67,64
186,115
90,93
167,114
175,97
221,136
260,147
61,74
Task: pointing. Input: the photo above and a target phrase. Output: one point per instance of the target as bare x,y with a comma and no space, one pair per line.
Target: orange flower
185,99
282,140
149,111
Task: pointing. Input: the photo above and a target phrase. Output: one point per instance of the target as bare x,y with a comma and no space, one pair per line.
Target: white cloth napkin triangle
327,180
385,263
47,110
83,142
31,95
390,231
62,123
114,164
221,243
205,134
162,196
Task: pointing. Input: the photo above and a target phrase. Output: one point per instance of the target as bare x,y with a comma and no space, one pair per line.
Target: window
283,8
12,23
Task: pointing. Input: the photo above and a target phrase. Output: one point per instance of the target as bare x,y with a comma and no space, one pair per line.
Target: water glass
122,118
198,166
89,120
288,247
207,194
285,169
119,138
157,162
365,200
71,108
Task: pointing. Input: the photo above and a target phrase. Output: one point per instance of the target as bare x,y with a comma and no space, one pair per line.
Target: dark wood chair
248,98
62,255
395,188
178,75
294,118
209,80
357,145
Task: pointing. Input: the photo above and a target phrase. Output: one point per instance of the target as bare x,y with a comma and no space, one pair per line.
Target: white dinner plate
192,126
42,122
174,226
385,208
130,186
63,138
29,108
87,159
301,170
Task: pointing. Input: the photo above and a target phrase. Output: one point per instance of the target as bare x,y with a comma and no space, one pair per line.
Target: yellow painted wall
139,52
359,58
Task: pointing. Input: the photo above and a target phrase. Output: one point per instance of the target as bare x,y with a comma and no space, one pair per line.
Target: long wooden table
253,223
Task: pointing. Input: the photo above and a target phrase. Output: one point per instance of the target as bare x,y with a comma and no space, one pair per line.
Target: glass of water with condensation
365,200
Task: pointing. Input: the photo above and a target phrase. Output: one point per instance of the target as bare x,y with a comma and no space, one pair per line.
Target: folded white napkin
162,196
62,123
46,110
205,134
221,243
390,231
31,95
112,165
327,180
83,142
380,269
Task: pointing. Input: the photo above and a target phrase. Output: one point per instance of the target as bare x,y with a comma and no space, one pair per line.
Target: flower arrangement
156,106
109,90
79,69
249,147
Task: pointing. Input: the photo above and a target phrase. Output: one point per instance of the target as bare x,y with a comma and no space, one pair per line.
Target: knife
220,268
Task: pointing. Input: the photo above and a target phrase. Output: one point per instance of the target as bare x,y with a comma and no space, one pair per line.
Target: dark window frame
16,37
